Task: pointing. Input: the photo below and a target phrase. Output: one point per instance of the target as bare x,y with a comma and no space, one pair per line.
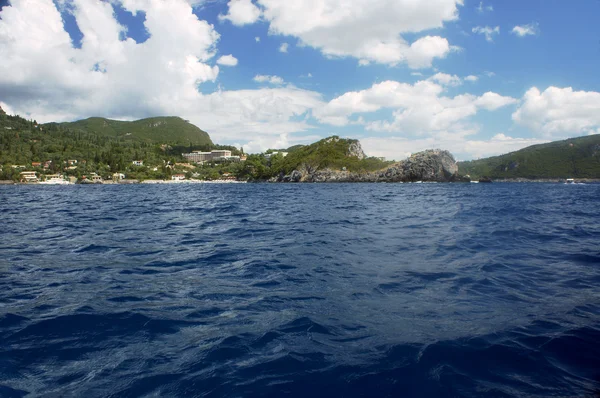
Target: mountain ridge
155,129
577,157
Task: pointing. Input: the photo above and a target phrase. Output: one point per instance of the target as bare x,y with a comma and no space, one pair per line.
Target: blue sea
308,290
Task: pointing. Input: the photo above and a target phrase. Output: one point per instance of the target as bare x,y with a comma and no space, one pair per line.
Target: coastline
129,182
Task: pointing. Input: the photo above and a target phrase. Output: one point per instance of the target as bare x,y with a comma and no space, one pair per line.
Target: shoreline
129,182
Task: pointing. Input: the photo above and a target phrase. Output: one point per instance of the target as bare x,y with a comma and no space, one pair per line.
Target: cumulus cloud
43,76
487,31
268,79
398,148
471,78
446,80
492,101
227,60
531,29
283,48
257,39
369,30
417,109
559,112
264,113
241,12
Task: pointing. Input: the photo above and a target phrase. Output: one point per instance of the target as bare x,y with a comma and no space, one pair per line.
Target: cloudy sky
476,78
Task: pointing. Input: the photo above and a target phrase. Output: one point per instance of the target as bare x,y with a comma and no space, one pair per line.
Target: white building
178,177
212,156
269,155
29,176
138,162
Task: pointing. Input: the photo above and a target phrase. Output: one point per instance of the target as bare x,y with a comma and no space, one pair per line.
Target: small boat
55,179
570,181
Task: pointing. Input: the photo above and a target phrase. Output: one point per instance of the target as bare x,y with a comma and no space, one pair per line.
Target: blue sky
476,78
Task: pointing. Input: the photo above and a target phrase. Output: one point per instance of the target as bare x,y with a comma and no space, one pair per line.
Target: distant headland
170,149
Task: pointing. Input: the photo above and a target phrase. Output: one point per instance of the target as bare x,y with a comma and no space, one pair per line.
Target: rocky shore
428,166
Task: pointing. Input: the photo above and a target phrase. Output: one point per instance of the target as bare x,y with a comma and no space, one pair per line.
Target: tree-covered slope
574,157
155,129
332,152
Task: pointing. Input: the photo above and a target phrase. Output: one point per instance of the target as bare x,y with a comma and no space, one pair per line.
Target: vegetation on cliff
329,153
428,166
574,157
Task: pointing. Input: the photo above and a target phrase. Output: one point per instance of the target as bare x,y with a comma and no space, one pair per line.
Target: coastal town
179,172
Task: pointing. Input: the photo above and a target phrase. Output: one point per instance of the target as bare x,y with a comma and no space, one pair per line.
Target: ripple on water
416,290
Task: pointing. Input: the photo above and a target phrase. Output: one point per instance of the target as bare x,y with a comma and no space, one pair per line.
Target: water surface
209,290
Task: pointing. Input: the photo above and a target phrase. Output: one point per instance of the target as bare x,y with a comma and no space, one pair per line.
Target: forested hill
54,147
329,153
571,158
156,129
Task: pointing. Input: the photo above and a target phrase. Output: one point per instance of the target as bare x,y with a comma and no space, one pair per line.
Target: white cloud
283,48
483,8
489,74
446,80
264,113
492,101
42,76
227,60
268,79
487,32
559,112
241,12
369,30
398,148
6,108
257,39
471,78
526,30
106,75
418,109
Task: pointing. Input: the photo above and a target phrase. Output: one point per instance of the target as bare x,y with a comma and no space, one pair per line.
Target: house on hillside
29,176
138,162
268,155
178,177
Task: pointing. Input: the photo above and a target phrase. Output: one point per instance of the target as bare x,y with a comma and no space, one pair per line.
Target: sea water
308,290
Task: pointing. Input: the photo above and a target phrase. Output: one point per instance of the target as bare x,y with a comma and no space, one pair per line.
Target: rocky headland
428,166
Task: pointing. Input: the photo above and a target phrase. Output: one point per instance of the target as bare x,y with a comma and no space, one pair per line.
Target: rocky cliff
429,166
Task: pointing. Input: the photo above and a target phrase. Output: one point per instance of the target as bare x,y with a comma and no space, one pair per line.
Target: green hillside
332,152
574,157
155,129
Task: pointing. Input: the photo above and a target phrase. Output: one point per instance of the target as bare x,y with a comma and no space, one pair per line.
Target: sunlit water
411,290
